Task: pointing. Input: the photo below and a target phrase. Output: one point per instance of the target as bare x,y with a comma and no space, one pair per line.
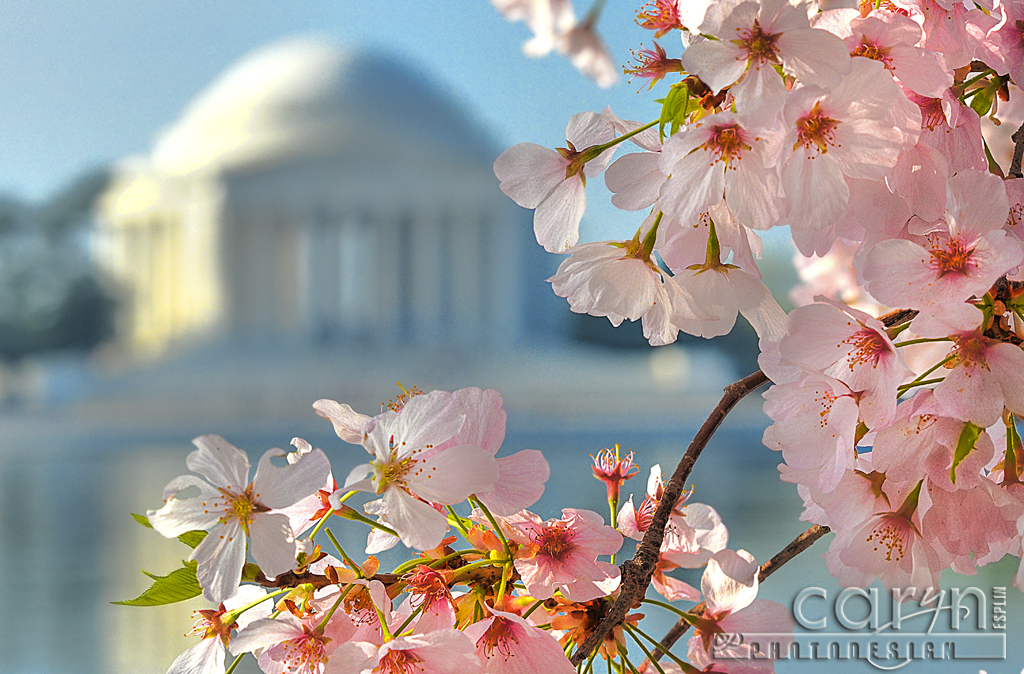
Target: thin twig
798,545
1018,154
636,572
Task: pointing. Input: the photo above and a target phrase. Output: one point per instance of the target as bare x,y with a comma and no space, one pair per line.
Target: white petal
556,222
348,424
520,485
529,172
206,657
266,632
220,462
220,558
273,546
416,523
281,486
181,514
452,475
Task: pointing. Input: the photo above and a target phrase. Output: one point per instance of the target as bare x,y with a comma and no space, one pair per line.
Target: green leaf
249,572
178,585
192,538
142,519
189,538
981,102
964,446
674,109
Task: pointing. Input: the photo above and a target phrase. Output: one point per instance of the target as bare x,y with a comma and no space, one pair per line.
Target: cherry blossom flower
660,16
722,154
845,132
729,585
207,657
954,129
508,644
562,554
890,38
888,545
652,65
754,37
586,50
612,470
815,428
552,182
854,348
621,280
444,651
956,258
521,476
287,644
545,18
1009,40
410,471
233,509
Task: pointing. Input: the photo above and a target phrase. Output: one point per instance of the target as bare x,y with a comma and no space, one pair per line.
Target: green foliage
675,108
964,446
179,585
189,538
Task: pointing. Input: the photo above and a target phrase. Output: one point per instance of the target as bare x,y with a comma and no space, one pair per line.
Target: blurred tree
50,298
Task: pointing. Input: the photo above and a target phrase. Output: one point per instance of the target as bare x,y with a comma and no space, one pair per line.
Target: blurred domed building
313,193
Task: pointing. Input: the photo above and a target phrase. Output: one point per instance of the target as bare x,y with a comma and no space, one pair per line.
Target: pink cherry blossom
854,348
521,476
729,585
508,644
552,182
410,472
288,645
233,509
207,657
753,37
545,18
846,132
562,554
445,651
585,49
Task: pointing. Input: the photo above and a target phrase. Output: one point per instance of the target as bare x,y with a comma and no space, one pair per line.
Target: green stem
980,76
458,522
598,149
906,387
350,514
669,607
322,625
922,340
925,382
469,567
657,643
650,658
624,654
494,523
344,555
590,663
234,664
323,520
506,571
408,620
413,563
233,614
533,608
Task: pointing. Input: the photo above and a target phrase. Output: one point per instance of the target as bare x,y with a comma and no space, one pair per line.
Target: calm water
68,546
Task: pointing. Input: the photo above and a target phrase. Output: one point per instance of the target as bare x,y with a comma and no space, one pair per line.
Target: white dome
307,96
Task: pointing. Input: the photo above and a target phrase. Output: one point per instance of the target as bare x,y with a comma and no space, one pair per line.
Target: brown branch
637,572
1018,154
798,545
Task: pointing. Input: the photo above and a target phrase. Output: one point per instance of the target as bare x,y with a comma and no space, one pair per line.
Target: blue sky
83,83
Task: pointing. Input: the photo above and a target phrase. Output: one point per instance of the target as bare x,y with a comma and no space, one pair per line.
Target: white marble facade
315,194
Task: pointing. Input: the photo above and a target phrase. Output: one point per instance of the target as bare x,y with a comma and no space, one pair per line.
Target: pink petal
520,483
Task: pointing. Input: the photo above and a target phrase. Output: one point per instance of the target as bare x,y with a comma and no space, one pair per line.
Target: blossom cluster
860,129
515,597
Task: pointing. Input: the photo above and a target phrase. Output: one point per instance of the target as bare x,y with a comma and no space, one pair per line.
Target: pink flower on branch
562,554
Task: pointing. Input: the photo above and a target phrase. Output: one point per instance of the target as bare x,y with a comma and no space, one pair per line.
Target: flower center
727,142
952,258
931,111
873,52
815,129
660,15
760,46
499,636
242,507
868,347
306,653
891,533
209,624
555,541
398,662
